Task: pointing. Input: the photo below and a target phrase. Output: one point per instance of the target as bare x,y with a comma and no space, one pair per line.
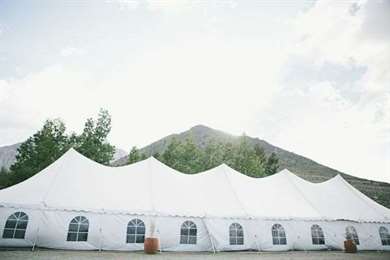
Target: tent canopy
74,182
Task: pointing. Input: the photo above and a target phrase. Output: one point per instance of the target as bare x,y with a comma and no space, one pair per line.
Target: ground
89,255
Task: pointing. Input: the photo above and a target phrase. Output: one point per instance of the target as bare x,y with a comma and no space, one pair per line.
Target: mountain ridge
303,167
8,154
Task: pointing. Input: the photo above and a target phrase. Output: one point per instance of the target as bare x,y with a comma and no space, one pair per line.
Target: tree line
52,141
185,156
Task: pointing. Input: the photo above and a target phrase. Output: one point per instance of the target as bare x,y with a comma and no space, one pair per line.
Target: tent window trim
15,226
135,231
188,233
278,235
385,236
317,235
236,234
350,233
78,229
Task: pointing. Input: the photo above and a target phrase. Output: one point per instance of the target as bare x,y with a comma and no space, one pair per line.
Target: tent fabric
111,196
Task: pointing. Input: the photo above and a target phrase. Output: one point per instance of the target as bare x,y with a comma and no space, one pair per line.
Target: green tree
170,155
272,164
92,143
251,160
135,155
212,155
189,157
40,150
156,155
245,159
4,177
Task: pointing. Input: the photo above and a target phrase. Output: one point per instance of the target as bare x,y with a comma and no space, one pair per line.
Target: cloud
125,4
318,86
336,89
71,51
204,81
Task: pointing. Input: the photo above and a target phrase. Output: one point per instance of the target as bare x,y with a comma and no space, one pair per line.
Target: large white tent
76,203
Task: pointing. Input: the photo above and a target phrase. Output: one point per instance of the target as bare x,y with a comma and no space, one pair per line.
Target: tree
212,155
4,177
92,143
135,155
170,155
189,157
156,155
51,142
272,164
40,150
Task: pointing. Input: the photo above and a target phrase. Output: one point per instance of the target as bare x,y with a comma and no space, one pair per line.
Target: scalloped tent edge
161,196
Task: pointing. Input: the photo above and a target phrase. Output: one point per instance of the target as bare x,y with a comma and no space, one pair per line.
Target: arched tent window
16,225
278,235
317,235
236,234
385,236
350,233
135,231
188,233
78,229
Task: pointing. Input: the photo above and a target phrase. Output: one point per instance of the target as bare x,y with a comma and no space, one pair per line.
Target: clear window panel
11,223
192,240
185,232
71,236
73,227
19,234
83,237
193,232
83,228
131,239
8,233
140,239
21,225
141,230
131,230
183,239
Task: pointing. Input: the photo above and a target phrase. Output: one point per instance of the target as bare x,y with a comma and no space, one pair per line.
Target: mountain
301,166
7,155
119,153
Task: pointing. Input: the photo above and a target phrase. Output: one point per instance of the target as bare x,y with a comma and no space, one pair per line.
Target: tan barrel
151,245
350,246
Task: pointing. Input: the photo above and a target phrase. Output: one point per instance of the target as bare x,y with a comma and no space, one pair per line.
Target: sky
312,77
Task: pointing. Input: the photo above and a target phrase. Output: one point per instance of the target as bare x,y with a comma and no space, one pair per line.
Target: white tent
222,208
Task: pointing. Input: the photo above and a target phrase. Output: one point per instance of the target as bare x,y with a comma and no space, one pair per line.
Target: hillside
7,155
303,167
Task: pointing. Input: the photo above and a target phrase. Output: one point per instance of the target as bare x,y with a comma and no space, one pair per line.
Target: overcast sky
312,77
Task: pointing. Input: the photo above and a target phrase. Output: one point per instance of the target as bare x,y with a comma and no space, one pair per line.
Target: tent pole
100,230
257,244
100,239
208,234
35,240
